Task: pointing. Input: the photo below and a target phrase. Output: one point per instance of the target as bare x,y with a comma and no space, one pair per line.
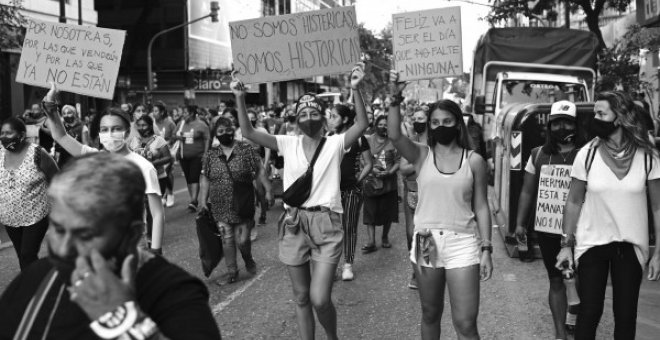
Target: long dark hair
551,145
148,121
463,139
345,112
628,114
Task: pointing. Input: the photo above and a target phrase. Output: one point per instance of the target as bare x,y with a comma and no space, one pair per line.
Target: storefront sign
554,183
78,59
295,46
428,44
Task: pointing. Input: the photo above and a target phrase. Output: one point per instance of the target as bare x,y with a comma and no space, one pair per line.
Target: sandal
369,249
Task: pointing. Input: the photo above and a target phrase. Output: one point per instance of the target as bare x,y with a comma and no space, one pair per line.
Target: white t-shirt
327,174
148,171
614,210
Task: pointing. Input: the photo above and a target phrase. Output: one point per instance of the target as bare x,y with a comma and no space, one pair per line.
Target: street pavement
377,304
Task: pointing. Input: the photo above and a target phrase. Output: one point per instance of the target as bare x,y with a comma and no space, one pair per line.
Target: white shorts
451,250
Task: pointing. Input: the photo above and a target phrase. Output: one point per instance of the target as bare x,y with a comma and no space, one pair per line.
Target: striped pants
351,200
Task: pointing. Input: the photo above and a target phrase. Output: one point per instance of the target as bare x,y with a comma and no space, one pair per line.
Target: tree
11,23
377,50
592,9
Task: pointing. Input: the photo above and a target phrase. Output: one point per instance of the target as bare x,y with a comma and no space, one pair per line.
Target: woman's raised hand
236,85
51,96
357,74
397,86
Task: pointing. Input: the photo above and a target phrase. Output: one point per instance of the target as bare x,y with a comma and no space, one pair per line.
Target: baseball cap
562,109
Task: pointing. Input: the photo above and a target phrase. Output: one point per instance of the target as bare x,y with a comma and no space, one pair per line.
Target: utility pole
63,11
567,14
80,21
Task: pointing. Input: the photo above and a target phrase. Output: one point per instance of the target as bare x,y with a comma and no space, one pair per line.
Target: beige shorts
319,238
450,250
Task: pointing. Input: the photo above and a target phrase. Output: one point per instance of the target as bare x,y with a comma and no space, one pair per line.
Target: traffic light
154,80
214,11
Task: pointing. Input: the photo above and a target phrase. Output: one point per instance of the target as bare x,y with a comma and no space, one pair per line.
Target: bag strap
590,156
316,153
226,162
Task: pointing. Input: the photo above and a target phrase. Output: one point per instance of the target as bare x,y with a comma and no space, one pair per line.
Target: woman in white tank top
452,204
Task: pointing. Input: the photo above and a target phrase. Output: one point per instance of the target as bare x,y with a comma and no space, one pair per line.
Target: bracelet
486,243
396,100
143,329
567,240
488,248
115,323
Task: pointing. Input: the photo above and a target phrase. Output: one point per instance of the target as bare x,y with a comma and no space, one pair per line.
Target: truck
533,65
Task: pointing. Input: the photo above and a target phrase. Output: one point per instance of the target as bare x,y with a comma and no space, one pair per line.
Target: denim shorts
451,250
319,237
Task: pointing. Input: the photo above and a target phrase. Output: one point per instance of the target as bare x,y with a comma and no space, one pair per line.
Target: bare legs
313,288
463,287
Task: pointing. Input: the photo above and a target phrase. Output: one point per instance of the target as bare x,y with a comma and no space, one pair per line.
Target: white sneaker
347,273
169,202
253,234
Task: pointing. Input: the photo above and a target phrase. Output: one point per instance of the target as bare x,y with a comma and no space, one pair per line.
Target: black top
350,164
174,299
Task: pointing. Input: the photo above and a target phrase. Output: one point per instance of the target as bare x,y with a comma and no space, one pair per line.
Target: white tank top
445,200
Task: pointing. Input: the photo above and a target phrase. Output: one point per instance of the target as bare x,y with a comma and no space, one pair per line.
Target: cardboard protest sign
295,46
78,59
554,183
428,44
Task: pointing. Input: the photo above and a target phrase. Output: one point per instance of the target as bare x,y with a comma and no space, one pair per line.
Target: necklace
568,155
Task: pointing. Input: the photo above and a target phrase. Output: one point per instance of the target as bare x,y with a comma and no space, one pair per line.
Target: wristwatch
567,240
487,248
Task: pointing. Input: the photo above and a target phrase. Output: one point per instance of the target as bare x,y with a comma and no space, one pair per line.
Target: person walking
606,215
25,171
228,171
341,118
381,202
165,128
452,213
558,152
311,230
75,129
195,139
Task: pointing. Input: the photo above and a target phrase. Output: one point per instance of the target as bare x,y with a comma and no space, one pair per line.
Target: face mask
381,131
11,143
145,132
563,136
310,127
112,141
226,139
291,119
69,119
444,134
602,129
254,123
419,127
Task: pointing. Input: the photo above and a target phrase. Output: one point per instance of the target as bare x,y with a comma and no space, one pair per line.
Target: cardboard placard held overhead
428,44
78,59
295,46
554,184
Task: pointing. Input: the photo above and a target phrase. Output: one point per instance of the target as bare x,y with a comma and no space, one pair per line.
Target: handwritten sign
427,44
554,183
79,59
295,46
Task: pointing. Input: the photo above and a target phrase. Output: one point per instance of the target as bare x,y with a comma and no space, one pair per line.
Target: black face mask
381,131
443,134
419,127
226,139
69,119
311,127
254,123
145,132
602,129
563,136
291,119
11,144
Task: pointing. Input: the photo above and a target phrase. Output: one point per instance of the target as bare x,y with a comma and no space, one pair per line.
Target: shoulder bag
298,192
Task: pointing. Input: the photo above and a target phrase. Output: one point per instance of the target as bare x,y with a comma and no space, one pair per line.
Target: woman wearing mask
113,126
75,129
418,134
340,120
289,128
313,230
195,141
558,152
165,128
152,147
138,111
606,215
452,188
223,166
25,171
177,115
381,203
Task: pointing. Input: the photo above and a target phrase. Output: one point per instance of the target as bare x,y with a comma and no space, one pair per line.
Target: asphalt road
377,304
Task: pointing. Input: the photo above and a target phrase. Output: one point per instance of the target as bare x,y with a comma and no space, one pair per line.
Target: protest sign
295,46
554,183
78,59
427,44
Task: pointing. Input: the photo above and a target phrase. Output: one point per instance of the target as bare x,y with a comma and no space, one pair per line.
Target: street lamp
214,18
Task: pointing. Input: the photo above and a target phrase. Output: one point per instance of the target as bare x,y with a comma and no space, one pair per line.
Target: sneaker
251,267
347,273
253,234
169,202
192,206
412,284
163,199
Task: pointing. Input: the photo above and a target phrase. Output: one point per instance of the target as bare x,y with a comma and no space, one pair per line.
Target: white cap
562,109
